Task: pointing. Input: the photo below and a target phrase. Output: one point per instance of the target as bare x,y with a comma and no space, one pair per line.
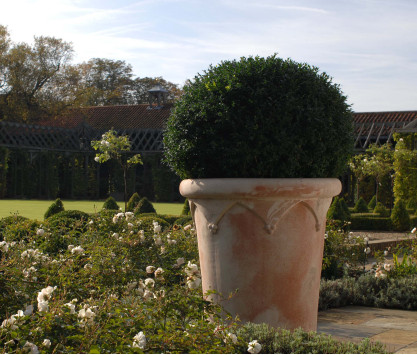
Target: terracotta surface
263,239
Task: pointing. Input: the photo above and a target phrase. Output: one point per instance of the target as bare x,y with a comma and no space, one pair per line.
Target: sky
368,47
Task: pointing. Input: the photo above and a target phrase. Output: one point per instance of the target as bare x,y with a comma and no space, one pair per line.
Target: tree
358,165
116,147
405,166
141,86
26,73
4,48
379,163
104,82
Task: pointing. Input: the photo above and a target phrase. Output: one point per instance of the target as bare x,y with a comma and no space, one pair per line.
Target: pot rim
260,188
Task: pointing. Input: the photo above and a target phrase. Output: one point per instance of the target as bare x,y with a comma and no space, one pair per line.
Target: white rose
46,343
149,283
139,341
254,347
40,232
231,337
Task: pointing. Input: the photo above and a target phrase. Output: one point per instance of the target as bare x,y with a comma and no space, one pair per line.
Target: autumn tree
104,82
38,81
141,86
27,72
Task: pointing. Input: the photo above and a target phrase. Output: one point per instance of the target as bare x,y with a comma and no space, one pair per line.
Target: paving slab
396,329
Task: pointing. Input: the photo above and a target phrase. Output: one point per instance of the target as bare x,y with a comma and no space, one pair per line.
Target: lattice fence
33,137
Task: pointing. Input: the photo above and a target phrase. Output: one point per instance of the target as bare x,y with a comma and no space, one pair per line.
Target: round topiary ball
260,118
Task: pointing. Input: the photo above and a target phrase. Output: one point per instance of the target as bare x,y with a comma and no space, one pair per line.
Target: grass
35,209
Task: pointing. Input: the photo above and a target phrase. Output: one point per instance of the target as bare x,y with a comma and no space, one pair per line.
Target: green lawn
35,209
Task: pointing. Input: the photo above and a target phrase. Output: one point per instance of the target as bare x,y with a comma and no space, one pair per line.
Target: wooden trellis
36,137
375,132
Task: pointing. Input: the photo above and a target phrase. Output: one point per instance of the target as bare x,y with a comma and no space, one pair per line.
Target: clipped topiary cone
144,206
186,208
133,202
110,204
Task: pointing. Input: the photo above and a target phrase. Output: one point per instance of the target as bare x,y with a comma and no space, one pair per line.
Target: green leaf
94,350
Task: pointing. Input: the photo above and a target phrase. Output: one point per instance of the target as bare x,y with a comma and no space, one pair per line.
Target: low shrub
57,206
133,202
361,206
381,210
370,223
412,204
68,220
283,341
6,221
110,204
400,217
16,228
72,214
343,253
144,206
370,291
148,223
183,221
337,210
166,217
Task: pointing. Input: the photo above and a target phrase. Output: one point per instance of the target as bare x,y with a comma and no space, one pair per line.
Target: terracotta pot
263,238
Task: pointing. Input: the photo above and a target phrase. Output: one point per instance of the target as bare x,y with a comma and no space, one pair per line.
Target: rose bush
121,285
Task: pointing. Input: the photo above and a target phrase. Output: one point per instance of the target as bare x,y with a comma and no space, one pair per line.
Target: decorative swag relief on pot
262,240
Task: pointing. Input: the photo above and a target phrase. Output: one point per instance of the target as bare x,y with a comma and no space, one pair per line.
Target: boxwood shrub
260,118
361,206
400,217
55,207
370,223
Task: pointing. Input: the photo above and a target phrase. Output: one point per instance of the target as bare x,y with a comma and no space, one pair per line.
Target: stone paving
397,329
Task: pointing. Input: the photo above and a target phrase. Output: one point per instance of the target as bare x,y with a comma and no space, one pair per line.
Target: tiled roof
384,117
123,117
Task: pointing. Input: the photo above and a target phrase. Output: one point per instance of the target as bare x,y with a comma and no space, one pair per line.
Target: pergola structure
60,149
379,127
144,125
74,132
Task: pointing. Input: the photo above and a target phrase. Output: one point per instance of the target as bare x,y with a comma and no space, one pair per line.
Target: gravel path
383,235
